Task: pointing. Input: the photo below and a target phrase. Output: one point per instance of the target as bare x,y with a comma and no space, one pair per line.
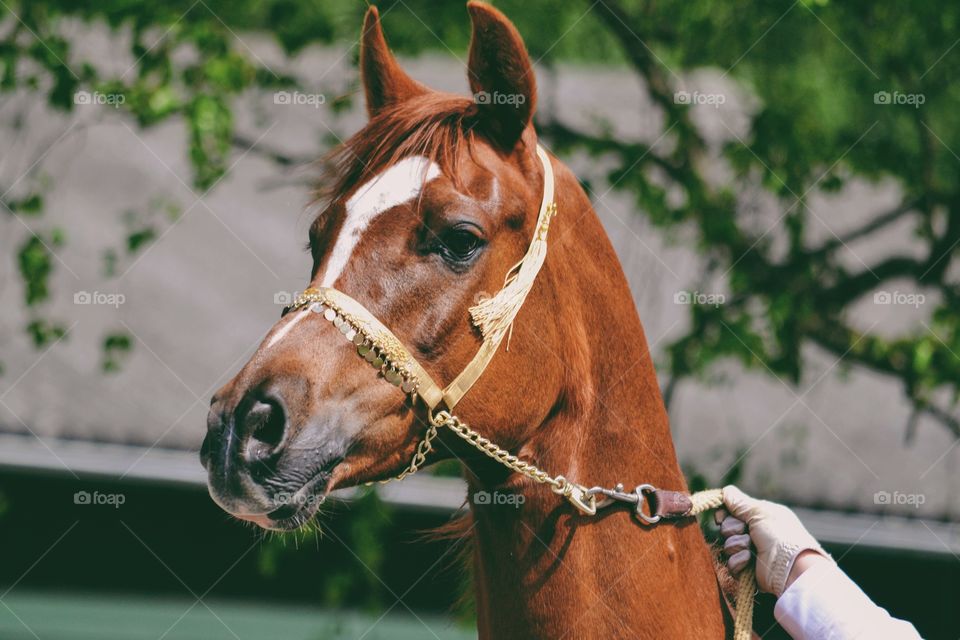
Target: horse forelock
437,126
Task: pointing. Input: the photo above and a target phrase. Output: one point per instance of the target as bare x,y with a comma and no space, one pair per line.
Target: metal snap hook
582,499
617,494
643,491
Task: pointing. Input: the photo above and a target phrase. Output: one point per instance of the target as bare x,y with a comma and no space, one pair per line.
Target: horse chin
288,517
294,510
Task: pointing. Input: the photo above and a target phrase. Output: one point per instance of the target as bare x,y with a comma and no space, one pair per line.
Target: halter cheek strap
493,316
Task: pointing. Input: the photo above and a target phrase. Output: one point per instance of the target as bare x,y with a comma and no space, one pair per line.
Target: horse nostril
205,450
266,423
214,432
214,421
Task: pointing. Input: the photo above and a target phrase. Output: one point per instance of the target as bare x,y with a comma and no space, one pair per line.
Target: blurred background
780,180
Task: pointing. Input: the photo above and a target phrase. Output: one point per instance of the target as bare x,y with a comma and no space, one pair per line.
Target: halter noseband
494,317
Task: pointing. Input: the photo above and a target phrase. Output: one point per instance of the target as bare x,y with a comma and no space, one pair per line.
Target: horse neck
542,570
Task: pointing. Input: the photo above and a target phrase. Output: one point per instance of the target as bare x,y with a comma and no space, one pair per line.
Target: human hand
774,531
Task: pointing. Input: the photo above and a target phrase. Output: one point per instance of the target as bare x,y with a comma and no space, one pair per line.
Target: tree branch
947,420
642,58
874,225
248,145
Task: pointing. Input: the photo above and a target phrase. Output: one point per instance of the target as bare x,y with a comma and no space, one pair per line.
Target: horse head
423,213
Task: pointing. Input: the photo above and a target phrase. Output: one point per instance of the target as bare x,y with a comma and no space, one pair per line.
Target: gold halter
493,316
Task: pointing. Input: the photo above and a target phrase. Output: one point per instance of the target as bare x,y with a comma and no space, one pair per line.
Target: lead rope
580,497
709,500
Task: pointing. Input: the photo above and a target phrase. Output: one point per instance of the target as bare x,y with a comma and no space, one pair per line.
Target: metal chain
575,493
504,457
419,456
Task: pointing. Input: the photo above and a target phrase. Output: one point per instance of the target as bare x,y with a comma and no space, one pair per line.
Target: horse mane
458,531
434,125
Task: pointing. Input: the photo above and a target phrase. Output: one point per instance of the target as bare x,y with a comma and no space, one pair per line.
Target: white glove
774,530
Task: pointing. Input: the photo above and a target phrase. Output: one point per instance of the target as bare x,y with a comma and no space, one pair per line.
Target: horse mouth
298,507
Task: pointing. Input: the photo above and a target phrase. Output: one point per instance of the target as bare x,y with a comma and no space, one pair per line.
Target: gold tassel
494,316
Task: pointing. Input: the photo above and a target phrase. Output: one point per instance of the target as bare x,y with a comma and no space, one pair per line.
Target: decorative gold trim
378,347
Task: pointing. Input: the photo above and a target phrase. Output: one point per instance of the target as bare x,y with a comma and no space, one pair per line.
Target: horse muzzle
255,469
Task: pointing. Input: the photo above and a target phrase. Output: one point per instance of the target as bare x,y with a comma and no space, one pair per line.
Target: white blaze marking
400,183
285,329
493,202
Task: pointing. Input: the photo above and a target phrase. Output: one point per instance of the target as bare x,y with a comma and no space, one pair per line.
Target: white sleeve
825,604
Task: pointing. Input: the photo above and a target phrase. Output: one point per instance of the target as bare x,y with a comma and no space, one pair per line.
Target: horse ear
384,82
501,74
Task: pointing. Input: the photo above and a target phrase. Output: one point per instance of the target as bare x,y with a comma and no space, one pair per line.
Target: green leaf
36,266
45,332
138,239
30,205
115,347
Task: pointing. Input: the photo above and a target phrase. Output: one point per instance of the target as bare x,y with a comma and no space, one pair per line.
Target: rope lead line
709,500
746,590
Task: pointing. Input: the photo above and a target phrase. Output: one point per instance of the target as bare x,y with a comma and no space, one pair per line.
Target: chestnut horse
429,206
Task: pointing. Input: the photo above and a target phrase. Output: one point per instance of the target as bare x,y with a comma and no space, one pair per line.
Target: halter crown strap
495,315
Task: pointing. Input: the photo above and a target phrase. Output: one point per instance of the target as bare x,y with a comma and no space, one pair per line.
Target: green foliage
211,125
187,62
141,228
140,238
341,583
35,260
36,265
29,205
44,332
115,347
367,521
447,469
818,72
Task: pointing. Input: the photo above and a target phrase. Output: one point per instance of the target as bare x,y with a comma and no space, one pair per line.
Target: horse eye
459,244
